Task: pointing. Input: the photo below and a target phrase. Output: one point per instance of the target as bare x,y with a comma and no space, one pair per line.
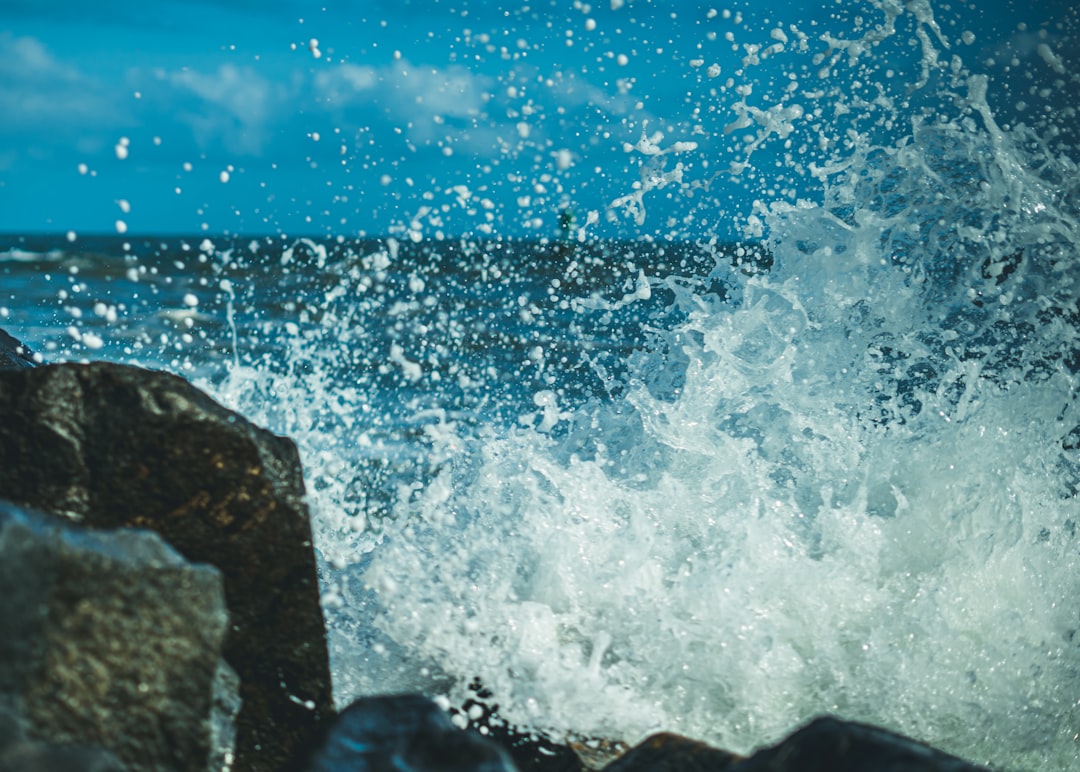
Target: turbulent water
695,486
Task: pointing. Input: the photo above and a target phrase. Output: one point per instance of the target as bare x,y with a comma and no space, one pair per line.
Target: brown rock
110,446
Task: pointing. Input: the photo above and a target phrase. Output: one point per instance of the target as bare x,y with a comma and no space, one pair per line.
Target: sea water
697,486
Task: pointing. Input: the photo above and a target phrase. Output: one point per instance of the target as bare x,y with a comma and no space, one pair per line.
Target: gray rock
109,446
13,353
108,639
404,733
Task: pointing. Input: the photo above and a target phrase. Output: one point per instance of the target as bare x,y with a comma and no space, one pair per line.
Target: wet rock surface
109,639
113,446
404,733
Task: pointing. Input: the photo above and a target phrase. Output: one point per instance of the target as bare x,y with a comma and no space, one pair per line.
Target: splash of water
846,485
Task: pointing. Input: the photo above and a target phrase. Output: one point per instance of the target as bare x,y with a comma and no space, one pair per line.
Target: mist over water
714,489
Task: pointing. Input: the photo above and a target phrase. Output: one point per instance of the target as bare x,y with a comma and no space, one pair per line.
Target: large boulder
109,445
110,644
404,733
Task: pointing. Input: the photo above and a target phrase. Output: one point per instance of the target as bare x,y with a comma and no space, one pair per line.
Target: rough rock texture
666,752
110,445
405,733
110,639
833,745
13,354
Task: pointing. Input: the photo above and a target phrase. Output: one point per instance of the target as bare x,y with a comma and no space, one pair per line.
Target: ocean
699,484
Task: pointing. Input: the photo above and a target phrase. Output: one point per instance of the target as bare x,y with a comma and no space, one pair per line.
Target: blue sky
362,117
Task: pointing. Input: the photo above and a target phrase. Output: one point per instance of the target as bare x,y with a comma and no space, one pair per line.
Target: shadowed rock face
109,445
109,639
13,354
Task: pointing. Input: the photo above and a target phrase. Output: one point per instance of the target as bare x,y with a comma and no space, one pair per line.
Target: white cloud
26,58
240,91
410,92
232,105
344,82
37,90
454,92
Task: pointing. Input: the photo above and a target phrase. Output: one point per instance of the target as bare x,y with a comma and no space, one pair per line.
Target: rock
832,745
110,446
14,354
404,733
109,639
665,752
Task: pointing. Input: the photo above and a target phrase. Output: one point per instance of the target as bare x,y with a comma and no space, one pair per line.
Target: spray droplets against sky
628,485
449,118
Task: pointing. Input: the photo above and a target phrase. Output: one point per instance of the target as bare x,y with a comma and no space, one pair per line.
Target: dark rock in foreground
833,745
109,446
406,733
666,752
13,353
110,639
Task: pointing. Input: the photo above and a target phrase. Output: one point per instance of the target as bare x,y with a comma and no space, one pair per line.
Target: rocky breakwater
108,446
